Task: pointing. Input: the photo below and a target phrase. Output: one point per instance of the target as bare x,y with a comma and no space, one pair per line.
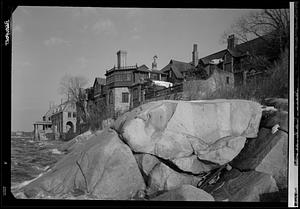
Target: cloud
104,26
83,11
55,41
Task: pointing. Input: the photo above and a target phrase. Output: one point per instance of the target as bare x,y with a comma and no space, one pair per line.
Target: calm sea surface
31,158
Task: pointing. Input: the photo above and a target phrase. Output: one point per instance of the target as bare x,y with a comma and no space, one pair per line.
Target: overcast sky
49,42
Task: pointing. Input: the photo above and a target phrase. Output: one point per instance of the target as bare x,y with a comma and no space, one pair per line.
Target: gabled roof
50,111
101,81
62,107
143,68
257,46
177,67
216,55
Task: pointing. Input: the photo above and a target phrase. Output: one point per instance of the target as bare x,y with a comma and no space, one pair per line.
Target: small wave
56,151
30,141
21,185
41,169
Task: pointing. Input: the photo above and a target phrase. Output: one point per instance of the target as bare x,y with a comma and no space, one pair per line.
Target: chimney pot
231,42
195,55
121,58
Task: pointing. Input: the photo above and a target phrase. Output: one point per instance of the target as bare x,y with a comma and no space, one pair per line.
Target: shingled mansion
127,86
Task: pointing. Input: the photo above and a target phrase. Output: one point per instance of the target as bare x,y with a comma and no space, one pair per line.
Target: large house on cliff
122,80
58,121
127,86
236,62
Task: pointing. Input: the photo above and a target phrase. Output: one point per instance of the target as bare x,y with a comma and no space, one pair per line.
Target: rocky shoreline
207,150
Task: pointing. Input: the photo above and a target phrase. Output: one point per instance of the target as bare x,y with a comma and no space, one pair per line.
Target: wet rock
266,153
162,178
279,103
251,186
223,150
276,161
146,162
104,168
177,129
77,141
193,165
185,193
273,118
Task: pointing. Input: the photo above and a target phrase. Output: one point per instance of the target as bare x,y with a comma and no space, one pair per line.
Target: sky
50,42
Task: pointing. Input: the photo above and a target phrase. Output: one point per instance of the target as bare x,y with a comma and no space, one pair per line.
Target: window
135,93
110,98
125,97
74,114
228,67
227,79
69,114
154,76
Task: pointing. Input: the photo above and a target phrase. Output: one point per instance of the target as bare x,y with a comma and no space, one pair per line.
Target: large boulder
185,193
279,103
213,130
146,163
251,186
163,178
272,118
104,168
193,165
75,142
267,153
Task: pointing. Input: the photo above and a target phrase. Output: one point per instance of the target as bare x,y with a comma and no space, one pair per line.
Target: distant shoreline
21,137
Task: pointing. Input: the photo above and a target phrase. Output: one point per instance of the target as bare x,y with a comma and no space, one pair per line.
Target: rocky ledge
206,150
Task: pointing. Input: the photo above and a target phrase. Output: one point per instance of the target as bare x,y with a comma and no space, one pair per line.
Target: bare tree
70,87
271,22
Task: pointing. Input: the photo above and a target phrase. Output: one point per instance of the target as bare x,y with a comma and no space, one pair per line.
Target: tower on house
121,58
195,55
154,63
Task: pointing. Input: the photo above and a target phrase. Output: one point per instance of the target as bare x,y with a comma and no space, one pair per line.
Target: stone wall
198,89
118,105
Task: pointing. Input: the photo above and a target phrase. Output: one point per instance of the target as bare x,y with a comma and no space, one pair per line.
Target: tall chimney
231,42
121,58
154,63
195,55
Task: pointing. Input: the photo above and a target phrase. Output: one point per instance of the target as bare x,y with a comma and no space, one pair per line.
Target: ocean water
30,159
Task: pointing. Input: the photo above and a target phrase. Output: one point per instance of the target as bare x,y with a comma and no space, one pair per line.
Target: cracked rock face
103,168
212,130
185,193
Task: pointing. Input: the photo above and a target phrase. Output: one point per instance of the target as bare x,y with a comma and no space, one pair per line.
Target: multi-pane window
110,97
74,114
135,93
154,76
228,67
69,114
125,97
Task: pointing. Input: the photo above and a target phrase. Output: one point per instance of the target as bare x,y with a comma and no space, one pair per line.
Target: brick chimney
154,63
231,42
195,55
121,58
